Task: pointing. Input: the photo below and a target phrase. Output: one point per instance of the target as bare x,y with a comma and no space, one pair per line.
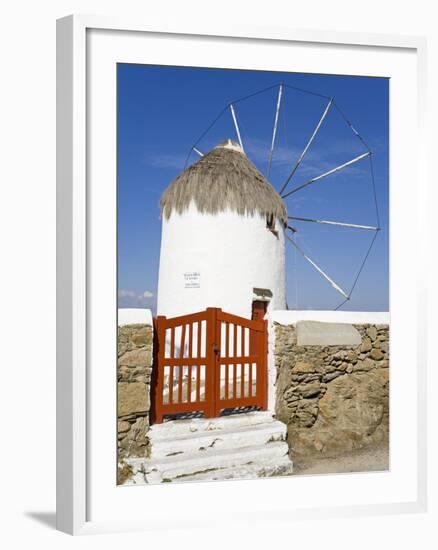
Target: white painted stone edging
134,316
291,317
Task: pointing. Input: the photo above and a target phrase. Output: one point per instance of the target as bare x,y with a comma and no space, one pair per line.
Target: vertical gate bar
255,339
189,384
183,341
227,354
181,368
217,363
180,382
210,394
158,370
263,365
161,353
234,364
171,367
242,380
199,339
172,342
190,368
198,383
190,340
242,366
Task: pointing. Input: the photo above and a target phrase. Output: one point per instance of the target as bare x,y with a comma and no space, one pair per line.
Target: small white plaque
192,279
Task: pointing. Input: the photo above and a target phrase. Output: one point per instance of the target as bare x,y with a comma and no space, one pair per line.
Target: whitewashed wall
232,254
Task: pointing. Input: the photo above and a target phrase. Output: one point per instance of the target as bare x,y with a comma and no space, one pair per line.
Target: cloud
126,294
131,298
172,161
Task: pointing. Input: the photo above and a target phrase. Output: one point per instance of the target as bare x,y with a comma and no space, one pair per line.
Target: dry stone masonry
134,367
333,398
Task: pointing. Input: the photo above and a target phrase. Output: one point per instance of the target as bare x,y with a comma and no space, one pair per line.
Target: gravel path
364,460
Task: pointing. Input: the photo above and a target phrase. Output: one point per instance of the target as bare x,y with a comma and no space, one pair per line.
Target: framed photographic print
237,321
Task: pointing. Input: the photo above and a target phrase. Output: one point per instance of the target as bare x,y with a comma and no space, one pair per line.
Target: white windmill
225,226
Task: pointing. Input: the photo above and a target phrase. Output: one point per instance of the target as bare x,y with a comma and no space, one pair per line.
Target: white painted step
174,428
170,468
211,441
281,467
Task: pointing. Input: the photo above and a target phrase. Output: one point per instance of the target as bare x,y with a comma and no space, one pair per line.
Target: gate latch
216,348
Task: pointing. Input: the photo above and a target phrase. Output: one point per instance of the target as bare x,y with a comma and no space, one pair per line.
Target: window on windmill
270,223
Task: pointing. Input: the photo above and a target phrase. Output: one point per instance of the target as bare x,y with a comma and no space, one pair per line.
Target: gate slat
183,341
180,383
242,380
242,366
181,367
198,383
171,383
189,383
190,339
199,338
172,342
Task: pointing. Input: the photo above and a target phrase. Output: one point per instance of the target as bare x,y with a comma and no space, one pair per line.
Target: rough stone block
133,398
142,336
310,389
372,333
376,354
302,367
364,366
366,346
136,358
332,375
123,427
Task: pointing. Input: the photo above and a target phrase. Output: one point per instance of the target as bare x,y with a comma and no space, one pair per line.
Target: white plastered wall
232,255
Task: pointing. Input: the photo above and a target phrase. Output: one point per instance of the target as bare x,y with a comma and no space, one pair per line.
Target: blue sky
162,111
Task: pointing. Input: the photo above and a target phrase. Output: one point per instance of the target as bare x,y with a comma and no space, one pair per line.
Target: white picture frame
76,213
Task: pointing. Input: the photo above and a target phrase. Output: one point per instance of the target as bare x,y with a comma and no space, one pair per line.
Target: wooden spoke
320,271
329,222
309,143
332,171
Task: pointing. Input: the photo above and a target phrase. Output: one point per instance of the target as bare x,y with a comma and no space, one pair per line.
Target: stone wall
333,398
134,367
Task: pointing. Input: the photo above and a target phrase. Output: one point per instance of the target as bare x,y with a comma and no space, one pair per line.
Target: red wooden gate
208,362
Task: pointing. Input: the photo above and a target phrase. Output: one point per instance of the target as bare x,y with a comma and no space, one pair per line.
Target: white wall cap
291,317
134,316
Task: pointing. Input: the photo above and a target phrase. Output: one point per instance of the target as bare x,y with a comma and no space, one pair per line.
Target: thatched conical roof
223,179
